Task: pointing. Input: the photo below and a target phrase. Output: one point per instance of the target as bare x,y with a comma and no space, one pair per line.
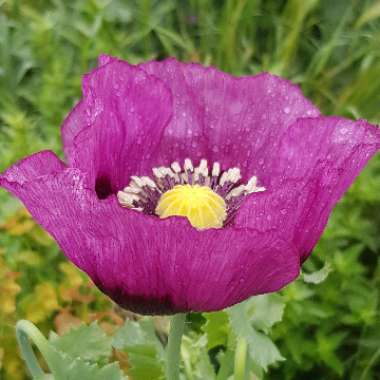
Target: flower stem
173,349
26,330
240,359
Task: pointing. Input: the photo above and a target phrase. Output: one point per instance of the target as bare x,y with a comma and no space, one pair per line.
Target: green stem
173,349
240,359
26,330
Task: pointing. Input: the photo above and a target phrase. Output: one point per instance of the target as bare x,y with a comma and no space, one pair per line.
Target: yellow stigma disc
204,208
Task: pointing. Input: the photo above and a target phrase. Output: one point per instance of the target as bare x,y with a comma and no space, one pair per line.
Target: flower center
204,208
208,198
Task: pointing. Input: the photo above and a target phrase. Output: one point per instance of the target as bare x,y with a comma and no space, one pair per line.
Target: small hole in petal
103,187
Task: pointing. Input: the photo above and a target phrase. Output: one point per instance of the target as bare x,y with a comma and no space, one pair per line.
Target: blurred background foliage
330,318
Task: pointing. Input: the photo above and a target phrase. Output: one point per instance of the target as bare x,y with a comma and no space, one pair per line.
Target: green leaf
216,328
262,350
318,276
197,365
266,310
64,367
145,352
327,345
86,342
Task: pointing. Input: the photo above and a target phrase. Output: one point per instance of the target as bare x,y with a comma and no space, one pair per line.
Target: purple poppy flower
185,188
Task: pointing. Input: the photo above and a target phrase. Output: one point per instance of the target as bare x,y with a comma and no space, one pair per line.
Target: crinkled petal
104,59
38,182
150,265
317,160
237,121
37,165
76,121
116,127
234,120
171,267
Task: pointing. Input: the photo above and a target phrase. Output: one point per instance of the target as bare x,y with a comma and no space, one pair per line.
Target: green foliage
86,342
330,317
318,276
66,367
216,329
253,318
196,362
145,352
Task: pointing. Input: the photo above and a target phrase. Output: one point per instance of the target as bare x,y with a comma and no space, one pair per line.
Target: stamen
188,165
149,182
215,175
177,170
203,168
223,178
207,199
127,199
201,172
216,169
234,175
235,192
176,167
131,189
189,168
251,186
157,172
137,181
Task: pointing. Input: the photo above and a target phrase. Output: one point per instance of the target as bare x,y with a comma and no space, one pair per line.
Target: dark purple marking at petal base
117,126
